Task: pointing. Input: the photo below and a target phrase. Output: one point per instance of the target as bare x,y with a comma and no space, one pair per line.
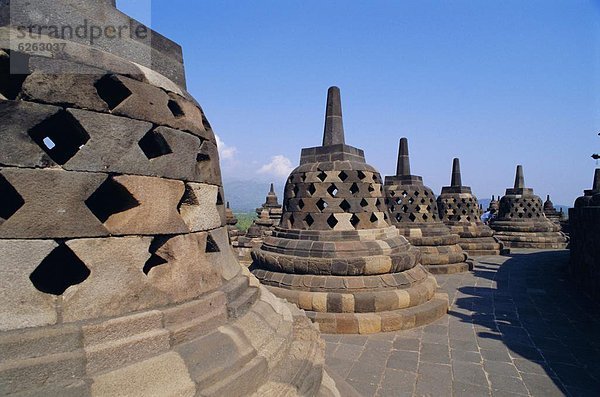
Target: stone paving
516,326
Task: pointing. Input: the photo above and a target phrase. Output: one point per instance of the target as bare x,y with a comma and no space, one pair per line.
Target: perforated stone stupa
414,211
272,206
551,212
459,210
521,222
116,276
334,254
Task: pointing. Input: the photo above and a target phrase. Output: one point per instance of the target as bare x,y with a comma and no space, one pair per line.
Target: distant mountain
246,196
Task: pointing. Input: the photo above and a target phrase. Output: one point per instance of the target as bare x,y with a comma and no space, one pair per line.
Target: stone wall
585,248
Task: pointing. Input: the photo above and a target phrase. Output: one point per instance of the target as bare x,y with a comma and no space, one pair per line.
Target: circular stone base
539,240
481,246
370,323
451,268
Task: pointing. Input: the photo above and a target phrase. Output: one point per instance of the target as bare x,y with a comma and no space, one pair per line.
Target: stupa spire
519,178
272,190
403,168
596,183
456,177
334,126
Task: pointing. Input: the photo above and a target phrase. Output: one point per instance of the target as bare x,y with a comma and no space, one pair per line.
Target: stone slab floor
516,327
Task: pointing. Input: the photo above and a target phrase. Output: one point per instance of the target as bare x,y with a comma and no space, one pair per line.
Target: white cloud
279,166
225,152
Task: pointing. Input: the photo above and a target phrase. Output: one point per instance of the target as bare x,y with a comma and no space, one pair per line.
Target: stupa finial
519,178
403,168
334,126
456,177
596,183
272,189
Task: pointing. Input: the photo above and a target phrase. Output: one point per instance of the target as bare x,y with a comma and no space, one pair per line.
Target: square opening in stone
60,136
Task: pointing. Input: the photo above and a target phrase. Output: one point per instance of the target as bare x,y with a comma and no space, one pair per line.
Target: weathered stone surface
186,274
18,149
151,216
21,304
53,204
164,375
117,284
64,90
199,207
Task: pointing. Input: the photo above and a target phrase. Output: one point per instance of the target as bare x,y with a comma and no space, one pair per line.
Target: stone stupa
272,206
334,254
494,204
521,222
459,210
117,277
414,211
551,212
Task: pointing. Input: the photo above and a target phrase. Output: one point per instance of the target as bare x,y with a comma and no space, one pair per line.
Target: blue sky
496,83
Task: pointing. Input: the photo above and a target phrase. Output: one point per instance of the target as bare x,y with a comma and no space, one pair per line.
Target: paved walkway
516,327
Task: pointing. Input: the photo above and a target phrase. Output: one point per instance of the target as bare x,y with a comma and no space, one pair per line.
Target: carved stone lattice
116,273
335,253
460,211
414,211
521,222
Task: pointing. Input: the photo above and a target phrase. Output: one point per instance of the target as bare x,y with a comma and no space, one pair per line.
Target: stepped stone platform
414,212
334,253
521,222
117,277
459,210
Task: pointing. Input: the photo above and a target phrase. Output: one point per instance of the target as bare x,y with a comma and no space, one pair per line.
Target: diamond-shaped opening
354,188
364,203
110,198
211,245
60,136
375,178
426,193
112,91
322,176
392,193
385,217
188,199
434,216
361,175
412,217
295,190
311,189
417,194
332,190
411,200
309,220
220,200
398,217
398,200
332,221
322,204
155,259
371,188
405,208
404,193
58,271
200,157
374,218
303,176
344,205
154,145
343,176
11,83
10,200
425,217
300,203
423,201
175,109
354,220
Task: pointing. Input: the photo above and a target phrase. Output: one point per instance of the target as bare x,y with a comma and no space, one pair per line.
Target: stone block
198,207
150,216
117,284
21,303
39,341
54,204
16,119
163,375
64,89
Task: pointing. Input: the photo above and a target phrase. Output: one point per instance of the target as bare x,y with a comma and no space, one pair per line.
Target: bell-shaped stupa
116,274
459,210
551,212
521,222
591,197
334,254
494,204
272,206
414,211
